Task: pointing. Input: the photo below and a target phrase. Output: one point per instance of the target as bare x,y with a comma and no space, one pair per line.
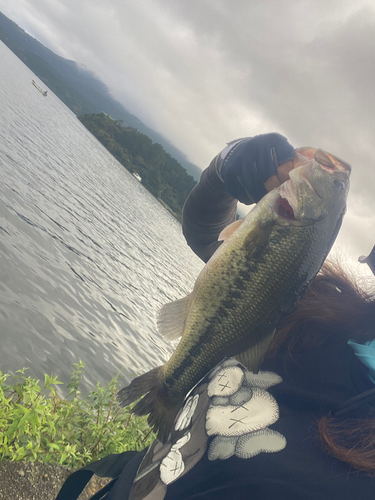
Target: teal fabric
366,354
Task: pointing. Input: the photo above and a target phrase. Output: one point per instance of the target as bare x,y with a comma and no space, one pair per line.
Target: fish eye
339,184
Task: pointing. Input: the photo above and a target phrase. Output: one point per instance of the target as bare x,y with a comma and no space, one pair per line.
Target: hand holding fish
254,167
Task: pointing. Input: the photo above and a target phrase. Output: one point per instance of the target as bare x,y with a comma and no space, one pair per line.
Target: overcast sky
204,72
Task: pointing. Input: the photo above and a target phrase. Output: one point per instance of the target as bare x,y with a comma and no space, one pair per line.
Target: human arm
243,171
208,209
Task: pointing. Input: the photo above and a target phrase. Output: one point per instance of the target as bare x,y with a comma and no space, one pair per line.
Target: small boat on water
43,92
137,176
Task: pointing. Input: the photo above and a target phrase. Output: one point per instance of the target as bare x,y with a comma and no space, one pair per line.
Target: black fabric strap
356,402
109,466
121,489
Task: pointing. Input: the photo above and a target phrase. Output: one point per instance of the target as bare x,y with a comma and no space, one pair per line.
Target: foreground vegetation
161,174
37,425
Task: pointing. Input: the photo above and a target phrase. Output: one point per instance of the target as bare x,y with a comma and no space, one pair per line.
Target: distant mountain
78,88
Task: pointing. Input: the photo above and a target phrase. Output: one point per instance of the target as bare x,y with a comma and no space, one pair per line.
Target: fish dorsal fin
228,230
253,357
172,318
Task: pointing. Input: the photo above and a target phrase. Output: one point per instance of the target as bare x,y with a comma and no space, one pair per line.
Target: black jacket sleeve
208,209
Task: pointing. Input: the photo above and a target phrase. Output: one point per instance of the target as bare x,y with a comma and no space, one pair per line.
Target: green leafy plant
37,425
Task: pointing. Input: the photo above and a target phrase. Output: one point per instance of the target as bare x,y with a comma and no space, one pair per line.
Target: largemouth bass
255,277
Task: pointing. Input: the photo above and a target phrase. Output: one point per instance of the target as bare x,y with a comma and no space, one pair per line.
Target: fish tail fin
161,412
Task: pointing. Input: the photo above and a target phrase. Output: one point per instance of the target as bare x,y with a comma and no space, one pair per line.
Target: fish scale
239,322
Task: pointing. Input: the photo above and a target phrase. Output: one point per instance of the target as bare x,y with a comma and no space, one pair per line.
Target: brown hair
334,304
351,441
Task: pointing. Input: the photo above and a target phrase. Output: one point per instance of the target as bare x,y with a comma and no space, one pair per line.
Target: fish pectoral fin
228,230
253,357
172,318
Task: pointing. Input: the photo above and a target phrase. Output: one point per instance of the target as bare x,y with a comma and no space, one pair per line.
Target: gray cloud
204,72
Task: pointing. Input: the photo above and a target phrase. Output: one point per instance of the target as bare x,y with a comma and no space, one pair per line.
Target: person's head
334,305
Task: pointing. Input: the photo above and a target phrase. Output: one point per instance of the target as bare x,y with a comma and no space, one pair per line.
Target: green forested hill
78,88
161,174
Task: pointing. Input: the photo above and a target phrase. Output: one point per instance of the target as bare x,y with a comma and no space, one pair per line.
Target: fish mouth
283,208
286,202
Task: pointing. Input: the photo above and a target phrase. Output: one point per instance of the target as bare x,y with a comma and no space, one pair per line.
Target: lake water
87,255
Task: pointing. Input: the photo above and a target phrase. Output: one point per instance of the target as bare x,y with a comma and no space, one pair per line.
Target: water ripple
87,255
